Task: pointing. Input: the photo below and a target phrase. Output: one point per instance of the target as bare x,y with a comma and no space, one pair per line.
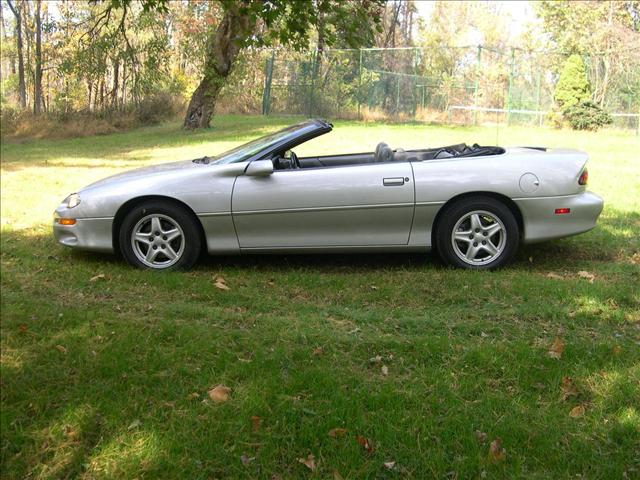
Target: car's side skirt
338,249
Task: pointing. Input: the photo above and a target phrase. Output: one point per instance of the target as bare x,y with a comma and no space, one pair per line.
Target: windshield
243,152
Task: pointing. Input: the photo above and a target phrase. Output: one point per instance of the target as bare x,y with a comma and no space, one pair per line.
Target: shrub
573,86
156,108
586,116
8,120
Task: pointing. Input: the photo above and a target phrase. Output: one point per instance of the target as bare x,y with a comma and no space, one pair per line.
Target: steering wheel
294,160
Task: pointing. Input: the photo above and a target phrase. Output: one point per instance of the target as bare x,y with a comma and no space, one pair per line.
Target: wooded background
131,62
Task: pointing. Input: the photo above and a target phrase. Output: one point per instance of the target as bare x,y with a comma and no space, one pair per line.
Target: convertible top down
473,204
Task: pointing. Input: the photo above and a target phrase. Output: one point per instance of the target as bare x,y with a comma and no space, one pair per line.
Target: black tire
186,246
492,214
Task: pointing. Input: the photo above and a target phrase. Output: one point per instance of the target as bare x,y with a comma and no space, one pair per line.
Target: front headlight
72,200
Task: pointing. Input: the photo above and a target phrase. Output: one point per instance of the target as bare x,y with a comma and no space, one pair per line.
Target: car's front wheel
477,233
158,236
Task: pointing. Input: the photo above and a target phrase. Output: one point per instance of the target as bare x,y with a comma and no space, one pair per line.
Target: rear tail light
584,177
562,211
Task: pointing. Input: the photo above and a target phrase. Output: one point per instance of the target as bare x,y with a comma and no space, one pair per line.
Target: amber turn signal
67,221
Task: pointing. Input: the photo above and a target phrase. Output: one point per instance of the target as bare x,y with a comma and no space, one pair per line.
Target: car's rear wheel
160,236
477,233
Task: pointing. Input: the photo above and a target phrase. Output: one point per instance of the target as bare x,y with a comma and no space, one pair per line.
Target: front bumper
93,234
542,223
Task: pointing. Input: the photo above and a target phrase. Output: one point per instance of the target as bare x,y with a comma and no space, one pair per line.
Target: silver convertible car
474,205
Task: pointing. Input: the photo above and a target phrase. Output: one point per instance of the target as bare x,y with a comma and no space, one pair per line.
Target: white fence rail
540,113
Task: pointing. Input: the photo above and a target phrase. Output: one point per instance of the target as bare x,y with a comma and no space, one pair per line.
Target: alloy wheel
157,241
478,237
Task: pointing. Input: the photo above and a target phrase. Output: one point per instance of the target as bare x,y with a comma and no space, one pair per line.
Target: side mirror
260,168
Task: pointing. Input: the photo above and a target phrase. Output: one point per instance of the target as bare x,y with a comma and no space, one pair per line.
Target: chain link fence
465,85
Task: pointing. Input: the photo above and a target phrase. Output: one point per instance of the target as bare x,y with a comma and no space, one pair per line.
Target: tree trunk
22,90
90,89
116,79
320,27
37,84
102,94
123,96
222,50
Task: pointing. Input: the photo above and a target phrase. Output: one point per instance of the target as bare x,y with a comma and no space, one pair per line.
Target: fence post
510,86
475,90
359,83
540,116
314,72
415,82
268,77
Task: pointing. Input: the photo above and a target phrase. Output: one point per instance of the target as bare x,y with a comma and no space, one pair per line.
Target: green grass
109,378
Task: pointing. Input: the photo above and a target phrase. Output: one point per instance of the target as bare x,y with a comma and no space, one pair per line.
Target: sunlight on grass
66,441
629,417
135,450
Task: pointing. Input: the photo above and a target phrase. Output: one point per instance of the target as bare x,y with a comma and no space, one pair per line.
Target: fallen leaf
61,349
219,393
256,422
100,276
556,348
246,460
389,465
337,476
69,432
555,276
384,370
318,351
577,412
309,462
193,396
221,283
22,328
376,359
617,350
481,436
135,424
271,283
496,452
587,276
365,443
568,388
337,432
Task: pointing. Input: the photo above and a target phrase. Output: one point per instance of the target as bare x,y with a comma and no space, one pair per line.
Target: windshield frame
262,147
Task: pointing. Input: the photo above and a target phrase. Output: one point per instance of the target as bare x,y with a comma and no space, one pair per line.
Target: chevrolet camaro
473,204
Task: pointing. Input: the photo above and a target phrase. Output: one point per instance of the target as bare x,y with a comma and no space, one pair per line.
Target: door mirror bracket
259,168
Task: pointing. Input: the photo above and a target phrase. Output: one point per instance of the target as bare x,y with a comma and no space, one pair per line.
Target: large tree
275,22
16,9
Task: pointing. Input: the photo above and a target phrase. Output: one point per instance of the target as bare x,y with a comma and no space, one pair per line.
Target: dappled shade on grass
293,338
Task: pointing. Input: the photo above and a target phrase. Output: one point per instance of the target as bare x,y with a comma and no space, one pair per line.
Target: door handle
393,181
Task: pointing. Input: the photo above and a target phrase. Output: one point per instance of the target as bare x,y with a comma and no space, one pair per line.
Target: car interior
383,154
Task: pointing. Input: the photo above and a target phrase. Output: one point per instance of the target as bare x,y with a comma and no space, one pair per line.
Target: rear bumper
87,234
541,222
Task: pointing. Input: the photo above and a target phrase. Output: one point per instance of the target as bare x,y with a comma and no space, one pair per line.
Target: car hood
164,169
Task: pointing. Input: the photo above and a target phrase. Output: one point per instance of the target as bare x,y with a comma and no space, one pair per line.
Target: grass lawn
108,378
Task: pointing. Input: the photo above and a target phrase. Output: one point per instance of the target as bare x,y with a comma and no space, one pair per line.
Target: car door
355,205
